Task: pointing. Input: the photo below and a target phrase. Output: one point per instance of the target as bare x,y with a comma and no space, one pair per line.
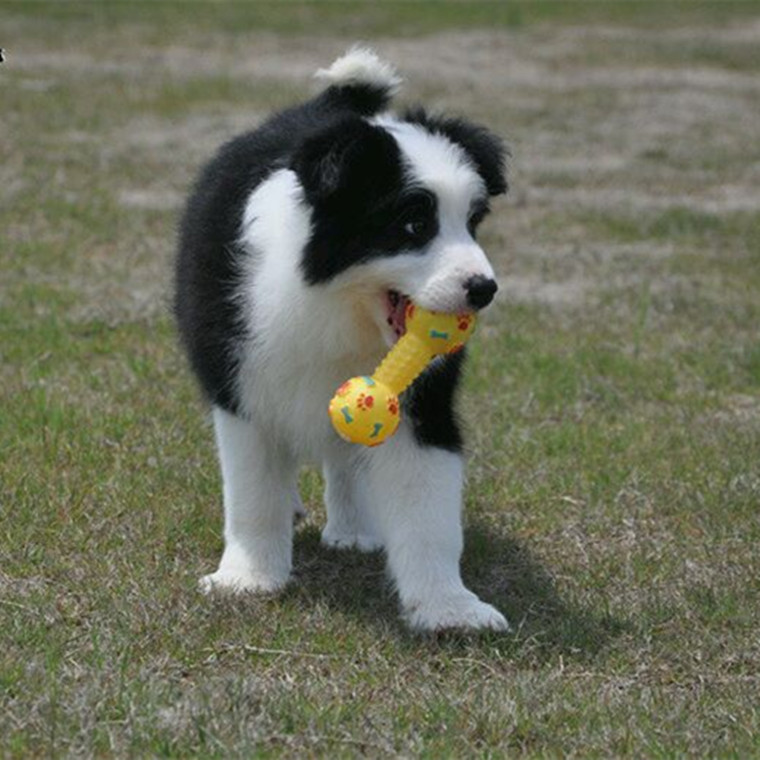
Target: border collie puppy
300,246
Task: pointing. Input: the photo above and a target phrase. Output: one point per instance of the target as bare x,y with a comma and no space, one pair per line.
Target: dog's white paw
463,611
233,581
362,541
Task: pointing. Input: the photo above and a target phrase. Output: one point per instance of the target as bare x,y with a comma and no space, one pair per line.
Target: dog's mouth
395,305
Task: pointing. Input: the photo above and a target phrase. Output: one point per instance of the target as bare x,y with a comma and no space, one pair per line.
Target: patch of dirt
532,289
738,409
156,199
261,56
747,31
21,587
194,137
711,200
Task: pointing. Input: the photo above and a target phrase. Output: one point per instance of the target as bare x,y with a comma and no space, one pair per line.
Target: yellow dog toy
366,409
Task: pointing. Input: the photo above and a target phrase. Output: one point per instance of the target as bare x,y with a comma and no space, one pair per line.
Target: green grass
612,399
407,18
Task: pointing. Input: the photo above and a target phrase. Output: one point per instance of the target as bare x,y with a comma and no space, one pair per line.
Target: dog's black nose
480,291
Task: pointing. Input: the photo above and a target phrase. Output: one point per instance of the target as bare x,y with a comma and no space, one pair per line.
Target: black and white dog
300,246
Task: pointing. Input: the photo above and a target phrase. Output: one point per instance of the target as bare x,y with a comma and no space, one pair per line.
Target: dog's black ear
485,149
347,159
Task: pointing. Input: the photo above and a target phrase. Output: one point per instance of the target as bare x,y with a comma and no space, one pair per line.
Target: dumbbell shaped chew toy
366,410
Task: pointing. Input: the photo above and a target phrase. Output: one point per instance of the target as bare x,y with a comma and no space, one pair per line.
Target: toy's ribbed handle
405,361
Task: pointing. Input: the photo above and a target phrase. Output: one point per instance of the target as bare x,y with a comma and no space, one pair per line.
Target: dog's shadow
498,568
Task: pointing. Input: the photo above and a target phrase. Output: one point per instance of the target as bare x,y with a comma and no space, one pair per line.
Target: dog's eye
418,223
417,220
417,227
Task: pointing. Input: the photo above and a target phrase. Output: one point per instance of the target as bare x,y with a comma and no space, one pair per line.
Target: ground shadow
497,567
503,571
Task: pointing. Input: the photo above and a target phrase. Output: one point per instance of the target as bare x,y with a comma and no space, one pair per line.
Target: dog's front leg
258,486
416,492
349,521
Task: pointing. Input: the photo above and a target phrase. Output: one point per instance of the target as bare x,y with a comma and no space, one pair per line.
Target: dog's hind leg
349,523
258,485
416,494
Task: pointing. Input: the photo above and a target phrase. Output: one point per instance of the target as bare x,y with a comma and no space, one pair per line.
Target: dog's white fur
303,342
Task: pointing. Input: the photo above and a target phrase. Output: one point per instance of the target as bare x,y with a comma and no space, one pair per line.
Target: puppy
300,247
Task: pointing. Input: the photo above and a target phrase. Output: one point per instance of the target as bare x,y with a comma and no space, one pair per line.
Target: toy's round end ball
363,411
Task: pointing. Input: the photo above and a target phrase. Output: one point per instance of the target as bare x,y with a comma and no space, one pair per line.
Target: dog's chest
288,379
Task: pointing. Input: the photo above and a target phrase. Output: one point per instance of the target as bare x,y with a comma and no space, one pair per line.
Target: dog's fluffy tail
360,80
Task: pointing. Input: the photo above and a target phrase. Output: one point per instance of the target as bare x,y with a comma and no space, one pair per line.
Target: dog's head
395,208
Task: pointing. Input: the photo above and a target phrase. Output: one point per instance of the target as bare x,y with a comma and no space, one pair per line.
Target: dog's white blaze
436,162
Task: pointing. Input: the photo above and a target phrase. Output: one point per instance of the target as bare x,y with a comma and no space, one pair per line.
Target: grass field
612,400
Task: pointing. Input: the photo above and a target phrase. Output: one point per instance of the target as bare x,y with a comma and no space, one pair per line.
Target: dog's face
395,207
